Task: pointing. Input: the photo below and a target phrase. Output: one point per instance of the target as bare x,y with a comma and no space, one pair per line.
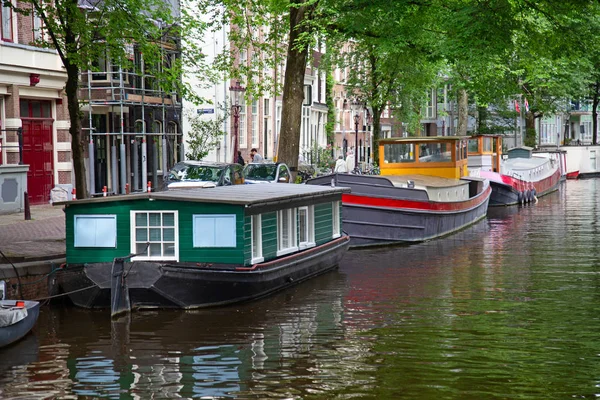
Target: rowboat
17,318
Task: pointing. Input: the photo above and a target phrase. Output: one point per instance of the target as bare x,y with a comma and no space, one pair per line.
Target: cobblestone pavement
42,237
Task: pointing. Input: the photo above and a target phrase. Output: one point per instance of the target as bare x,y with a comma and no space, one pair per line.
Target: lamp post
235,111
356,105
367,143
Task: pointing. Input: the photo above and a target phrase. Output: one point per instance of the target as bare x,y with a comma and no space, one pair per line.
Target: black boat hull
187,286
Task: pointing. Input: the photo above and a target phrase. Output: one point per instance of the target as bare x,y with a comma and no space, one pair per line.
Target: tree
205,135
82,32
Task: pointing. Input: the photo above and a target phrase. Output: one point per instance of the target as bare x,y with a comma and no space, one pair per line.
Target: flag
526,105
517,109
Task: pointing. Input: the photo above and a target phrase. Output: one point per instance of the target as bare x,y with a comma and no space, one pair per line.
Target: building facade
34,121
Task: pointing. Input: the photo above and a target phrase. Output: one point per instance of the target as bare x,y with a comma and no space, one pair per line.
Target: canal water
507,309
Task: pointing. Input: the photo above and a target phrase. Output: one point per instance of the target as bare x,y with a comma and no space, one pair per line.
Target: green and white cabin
195,235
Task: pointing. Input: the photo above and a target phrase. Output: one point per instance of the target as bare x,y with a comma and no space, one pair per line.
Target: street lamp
235,110
356,106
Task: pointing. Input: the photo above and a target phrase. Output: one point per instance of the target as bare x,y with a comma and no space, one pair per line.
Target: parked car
267,172
203,174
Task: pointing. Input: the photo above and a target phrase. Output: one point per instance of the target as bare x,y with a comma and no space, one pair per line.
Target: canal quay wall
32,250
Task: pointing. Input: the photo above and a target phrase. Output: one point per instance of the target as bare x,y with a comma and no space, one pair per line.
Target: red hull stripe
540,186
352,199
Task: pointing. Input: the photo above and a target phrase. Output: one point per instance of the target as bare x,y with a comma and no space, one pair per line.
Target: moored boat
518,178
573,175
199,247
424,192
17,318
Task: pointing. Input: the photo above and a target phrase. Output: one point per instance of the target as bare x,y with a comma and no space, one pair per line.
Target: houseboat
193,248
517,177
424,192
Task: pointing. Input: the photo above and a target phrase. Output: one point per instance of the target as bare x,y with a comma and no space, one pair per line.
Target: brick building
34,120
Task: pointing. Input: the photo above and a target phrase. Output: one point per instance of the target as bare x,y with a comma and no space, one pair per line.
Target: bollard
127,188
27,208
104,190
73,194
149,186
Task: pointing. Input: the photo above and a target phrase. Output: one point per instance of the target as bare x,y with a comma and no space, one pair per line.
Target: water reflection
503,309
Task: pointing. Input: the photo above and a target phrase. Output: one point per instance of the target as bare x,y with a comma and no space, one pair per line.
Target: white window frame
335,219
256,238
6,23
242,125
134,242
99,230
309,227
205,223
291,215
255,123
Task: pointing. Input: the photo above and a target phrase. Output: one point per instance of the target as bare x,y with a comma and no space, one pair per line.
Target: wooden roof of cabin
248,195
414,139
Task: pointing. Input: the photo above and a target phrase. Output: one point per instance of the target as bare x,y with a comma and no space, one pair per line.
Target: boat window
487,144
306,229
95,231
434,152
473,146
399,152
335,216
464,150
286,231
256,238
154,235
214,230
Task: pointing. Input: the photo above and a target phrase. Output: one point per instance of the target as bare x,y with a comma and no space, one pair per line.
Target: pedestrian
256,157
240,159
350,161
340,165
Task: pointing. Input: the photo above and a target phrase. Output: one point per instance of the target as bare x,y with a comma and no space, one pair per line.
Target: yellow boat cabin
485,152
441,156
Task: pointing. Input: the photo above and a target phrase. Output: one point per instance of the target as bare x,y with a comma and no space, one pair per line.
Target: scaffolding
133,128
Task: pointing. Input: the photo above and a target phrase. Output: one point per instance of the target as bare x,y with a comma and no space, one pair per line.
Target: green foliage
321,157
205,135
330,125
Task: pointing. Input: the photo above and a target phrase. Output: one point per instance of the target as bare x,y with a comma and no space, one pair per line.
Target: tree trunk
530,135
463,112
75,130
376,133
293,88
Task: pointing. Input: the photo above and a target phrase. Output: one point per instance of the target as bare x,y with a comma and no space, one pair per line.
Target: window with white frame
306,227
243,57
548,130
266,107
242,124
38,27
95,231
278,117
335,218
254,123
256,233
431,105
286,231
154,235
214,230
6,27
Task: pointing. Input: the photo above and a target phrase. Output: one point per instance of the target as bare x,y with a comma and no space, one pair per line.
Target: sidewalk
41,238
